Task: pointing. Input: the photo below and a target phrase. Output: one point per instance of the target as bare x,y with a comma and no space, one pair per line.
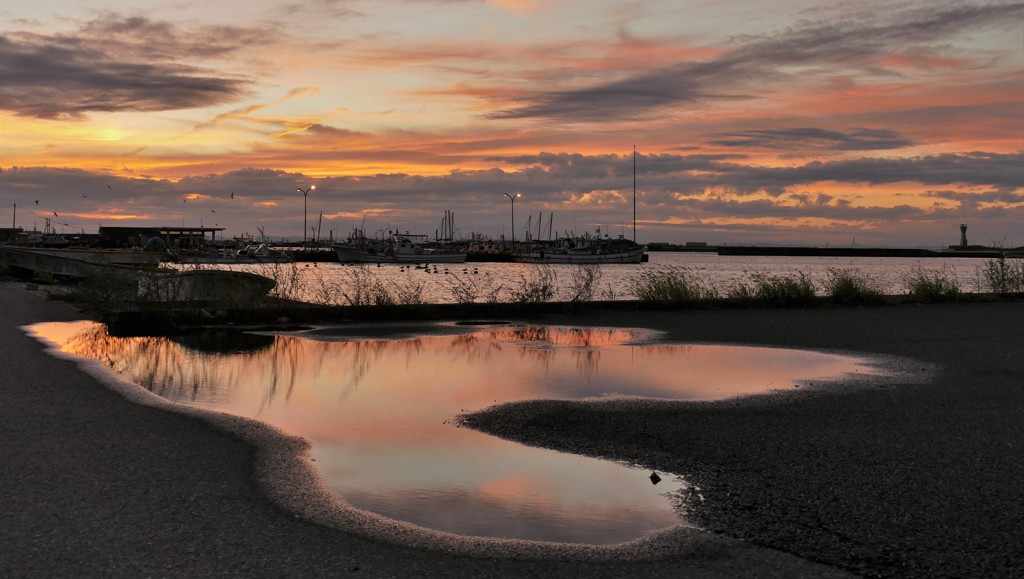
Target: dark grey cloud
323,8
694,174
850,40
857,139
995,196
977,187
118,64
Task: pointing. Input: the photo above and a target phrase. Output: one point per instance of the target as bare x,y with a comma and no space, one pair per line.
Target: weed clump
775,290
851,287
932,285
583,280
539,286
1002,275
671,285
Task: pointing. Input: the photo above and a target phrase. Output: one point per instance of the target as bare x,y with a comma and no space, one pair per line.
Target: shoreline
710,554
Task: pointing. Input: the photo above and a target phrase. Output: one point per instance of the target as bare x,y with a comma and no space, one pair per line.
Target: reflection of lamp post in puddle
513,198
304,192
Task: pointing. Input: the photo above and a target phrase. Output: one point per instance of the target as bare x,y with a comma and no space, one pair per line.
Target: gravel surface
918,478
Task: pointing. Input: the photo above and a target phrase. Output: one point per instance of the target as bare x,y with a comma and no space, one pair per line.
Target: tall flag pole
634,193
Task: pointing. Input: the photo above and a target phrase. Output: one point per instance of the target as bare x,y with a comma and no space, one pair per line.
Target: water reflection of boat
395,248
583,250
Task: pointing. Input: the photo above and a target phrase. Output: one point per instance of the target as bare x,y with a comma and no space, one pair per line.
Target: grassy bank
361,295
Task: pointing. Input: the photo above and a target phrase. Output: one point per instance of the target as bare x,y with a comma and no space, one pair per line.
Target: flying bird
109,187
84,195
184,200
55,214
212,211
37,202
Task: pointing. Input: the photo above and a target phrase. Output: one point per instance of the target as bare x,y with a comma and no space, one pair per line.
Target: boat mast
634,193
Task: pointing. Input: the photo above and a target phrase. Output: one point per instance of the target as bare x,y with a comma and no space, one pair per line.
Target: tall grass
671,285
103,293
775,290
851,287
362,287
1002,275
473,288
583,280
932,285
540,285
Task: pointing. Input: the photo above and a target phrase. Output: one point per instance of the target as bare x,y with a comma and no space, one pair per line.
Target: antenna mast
634,193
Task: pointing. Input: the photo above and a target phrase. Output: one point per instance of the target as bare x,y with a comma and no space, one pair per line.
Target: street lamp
513,198
304,192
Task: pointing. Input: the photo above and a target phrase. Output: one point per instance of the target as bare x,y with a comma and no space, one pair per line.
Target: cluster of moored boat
412,248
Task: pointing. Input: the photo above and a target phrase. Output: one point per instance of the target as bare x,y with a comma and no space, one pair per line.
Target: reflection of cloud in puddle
513,487
378,412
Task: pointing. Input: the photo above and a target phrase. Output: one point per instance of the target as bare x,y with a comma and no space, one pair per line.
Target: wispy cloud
858,139
118,64
864,39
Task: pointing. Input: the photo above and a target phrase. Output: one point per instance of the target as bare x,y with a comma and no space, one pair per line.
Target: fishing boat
395,248
252,253
584,249
215,286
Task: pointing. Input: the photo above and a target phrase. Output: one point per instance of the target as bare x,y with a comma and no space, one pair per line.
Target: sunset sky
887,123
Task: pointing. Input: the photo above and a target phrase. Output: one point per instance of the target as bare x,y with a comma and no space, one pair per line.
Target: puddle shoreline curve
288,479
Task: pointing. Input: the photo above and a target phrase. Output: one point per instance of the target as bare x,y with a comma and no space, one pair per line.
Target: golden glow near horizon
902,126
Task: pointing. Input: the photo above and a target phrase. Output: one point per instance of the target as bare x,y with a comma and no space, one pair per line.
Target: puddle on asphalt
377,404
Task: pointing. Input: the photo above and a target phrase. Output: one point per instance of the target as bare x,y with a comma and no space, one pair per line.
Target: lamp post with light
513,198
305,192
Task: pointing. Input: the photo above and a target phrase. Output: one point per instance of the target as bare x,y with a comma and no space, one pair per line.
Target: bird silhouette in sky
109,187
37,202
84,195
212,211
184,200
55,214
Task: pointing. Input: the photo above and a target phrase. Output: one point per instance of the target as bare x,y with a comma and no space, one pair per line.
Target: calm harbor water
336,283
378,405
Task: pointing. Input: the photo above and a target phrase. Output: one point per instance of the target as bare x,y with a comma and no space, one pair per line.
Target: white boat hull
630,256
359,255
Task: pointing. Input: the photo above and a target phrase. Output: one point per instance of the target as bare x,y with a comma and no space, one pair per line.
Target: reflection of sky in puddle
379,412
